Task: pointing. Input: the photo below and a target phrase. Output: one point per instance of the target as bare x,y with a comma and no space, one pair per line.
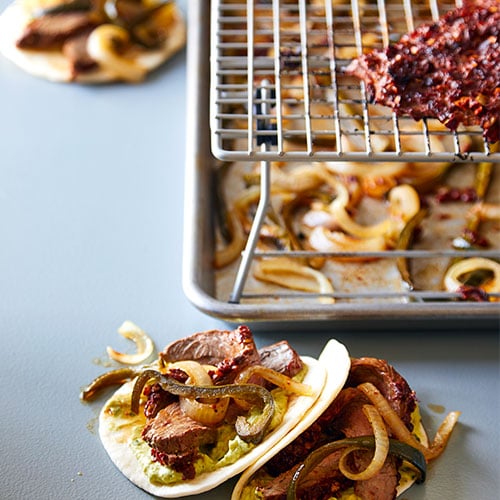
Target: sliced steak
383,485
75,51
52,30
229,351
449,70
281,357
172,432
346,415
322,483
388,381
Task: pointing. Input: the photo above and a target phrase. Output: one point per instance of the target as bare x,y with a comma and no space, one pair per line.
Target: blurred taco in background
91,41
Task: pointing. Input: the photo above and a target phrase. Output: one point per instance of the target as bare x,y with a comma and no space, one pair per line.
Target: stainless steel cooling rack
315,112
265,107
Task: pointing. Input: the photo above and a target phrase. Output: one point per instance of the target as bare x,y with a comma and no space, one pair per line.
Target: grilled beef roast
449,70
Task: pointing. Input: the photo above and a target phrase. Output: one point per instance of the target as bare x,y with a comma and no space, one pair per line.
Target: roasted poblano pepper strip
404,241
113,377
401,450
249,432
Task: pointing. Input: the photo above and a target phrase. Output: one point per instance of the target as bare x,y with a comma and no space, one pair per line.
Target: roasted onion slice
401,432
454,277
145,345
381,448
288,273
206,411
276,378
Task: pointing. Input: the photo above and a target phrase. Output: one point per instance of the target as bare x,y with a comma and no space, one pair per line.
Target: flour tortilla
330,392
334,373
52,65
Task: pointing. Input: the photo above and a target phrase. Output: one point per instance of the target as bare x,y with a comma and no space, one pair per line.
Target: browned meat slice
346,415
383,485
281,357
449,70
322,483
172,432
52,30
75,50
229,351
296,451
388,381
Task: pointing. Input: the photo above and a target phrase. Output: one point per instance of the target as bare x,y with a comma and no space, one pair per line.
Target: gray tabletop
91,222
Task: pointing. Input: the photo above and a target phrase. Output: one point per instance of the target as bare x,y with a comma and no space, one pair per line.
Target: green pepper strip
402,450
249,432
112,377
403,243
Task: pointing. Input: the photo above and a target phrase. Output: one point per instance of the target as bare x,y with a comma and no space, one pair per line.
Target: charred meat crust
449,70
229,351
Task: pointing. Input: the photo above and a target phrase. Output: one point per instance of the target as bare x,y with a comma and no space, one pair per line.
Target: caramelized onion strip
276,378
102,47
323,240
452,278
380,453
291,274
207,411
399,429
143,342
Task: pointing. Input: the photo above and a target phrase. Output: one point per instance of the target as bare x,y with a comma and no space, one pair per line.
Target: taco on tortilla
369,444
91,41
211,406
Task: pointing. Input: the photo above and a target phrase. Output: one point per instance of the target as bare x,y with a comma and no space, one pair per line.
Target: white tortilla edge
53,66
329,358
124,458
336,361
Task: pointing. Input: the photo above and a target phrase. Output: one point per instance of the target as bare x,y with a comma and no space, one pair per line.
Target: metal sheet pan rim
198,243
